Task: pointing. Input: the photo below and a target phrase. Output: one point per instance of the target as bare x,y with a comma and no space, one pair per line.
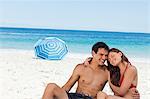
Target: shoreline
23,76
81,56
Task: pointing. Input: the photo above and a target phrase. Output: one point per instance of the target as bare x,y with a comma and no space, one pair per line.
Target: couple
92,76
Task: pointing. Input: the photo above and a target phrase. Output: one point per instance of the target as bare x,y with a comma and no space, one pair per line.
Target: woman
122,76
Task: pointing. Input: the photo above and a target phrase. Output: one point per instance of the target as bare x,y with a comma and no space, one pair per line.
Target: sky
101,15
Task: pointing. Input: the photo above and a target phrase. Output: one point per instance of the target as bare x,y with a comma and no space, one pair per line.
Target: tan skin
90,78
130,77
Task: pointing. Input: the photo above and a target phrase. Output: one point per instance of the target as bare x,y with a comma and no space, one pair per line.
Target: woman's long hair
115,70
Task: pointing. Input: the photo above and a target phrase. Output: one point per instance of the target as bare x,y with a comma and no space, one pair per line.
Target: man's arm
73,79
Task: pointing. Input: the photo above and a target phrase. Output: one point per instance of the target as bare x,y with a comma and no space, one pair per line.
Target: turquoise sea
78,41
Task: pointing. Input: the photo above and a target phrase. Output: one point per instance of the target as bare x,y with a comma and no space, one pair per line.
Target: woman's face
114,58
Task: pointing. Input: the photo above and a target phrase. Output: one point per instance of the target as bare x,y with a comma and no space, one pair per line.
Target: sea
78,41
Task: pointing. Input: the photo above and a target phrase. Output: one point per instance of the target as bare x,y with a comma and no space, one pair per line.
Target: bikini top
121,80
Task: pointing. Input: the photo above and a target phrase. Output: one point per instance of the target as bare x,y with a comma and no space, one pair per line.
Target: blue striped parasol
50,48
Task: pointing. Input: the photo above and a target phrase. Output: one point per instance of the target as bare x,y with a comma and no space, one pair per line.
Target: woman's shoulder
132,69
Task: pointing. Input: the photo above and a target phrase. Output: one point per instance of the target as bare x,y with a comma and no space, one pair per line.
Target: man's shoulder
80,66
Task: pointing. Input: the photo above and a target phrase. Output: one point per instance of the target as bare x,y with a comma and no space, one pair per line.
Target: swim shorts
78,96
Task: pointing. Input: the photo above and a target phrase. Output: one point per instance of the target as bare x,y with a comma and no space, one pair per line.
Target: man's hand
135,93
87,61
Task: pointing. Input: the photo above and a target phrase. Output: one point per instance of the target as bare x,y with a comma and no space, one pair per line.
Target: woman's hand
135,93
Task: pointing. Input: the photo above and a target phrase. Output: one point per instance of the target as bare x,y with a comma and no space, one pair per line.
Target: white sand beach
23,76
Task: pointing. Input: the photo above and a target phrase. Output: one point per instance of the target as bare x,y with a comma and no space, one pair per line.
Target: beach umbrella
50,48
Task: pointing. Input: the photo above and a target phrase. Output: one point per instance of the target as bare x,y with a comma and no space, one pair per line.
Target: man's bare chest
93,77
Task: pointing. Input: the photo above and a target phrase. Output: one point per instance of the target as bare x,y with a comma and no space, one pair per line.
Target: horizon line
38,28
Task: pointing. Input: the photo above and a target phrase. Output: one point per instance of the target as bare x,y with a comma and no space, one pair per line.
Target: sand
23,76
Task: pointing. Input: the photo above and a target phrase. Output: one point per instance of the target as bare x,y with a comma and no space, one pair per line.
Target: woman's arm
127,81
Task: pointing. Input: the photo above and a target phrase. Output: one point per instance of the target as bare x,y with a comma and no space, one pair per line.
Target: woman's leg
101,95
115,97
53,91
127,96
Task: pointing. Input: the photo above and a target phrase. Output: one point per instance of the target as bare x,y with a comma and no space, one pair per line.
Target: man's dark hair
98,45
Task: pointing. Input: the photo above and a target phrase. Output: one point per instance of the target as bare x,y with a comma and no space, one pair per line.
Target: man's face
100,56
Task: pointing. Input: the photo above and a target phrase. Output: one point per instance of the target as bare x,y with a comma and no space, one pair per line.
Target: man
90,78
